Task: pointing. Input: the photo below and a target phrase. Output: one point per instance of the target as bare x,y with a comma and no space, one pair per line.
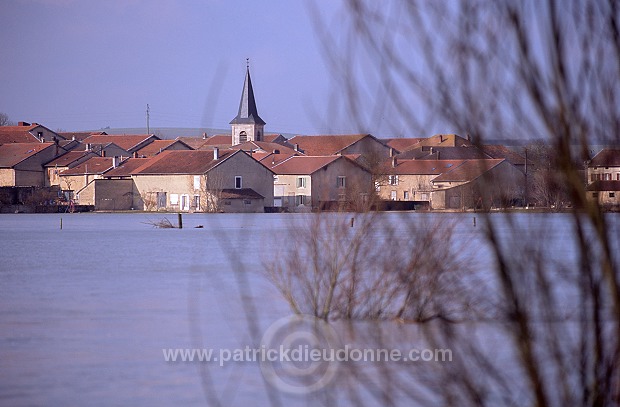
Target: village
249,170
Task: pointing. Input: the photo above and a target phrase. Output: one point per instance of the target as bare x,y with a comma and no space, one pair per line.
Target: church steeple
247,125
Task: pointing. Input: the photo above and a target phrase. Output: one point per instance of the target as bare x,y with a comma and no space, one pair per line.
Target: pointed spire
248,113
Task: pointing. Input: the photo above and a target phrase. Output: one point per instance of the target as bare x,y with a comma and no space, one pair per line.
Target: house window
406,195
161,200
393,195
341,182
174,199
424,197
393,179
185,202
299,200
196,202
238,182
247,202
618,176
227,203
196,181
301,182
243,137
612,194
594,194
592,177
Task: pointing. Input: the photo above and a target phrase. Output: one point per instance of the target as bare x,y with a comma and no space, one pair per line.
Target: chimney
204,135
73,137
216,153
114,162
391,152
394,162
431,149
296,147
135,154
87,146
23,124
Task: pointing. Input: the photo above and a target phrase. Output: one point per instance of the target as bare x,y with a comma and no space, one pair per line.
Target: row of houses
249,171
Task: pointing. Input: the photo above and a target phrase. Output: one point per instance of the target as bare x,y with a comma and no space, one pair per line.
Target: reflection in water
86,311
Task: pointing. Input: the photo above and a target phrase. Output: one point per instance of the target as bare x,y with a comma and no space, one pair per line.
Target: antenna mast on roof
148,129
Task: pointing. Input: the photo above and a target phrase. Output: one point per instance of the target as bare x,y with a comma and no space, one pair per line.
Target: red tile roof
127,141
444,153
499,151
17,134
127,167
193,142
69,158
270,160
607,157
469,170
158,146
325,144
94,165
269,138
264,146
183,162
422,167
305,165
218,140
242,193
13,153
402,144
80,135
443,140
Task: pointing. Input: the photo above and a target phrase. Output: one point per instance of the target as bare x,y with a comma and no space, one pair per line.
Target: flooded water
86,311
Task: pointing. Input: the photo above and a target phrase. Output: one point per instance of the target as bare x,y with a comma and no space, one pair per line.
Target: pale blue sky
80,65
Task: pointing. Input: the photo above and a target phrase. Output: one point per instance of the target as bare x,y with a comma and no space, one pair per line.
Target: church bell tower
247,125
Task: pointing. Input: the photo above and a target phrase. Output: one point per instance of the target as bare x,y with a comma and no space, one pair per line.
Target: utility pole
527,197
148,129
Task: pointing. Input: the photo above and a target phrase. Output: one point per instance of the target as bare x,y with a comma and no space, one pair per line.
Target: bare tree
547,69
362,268
149,200
68,183
211,186
4,120
539,322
